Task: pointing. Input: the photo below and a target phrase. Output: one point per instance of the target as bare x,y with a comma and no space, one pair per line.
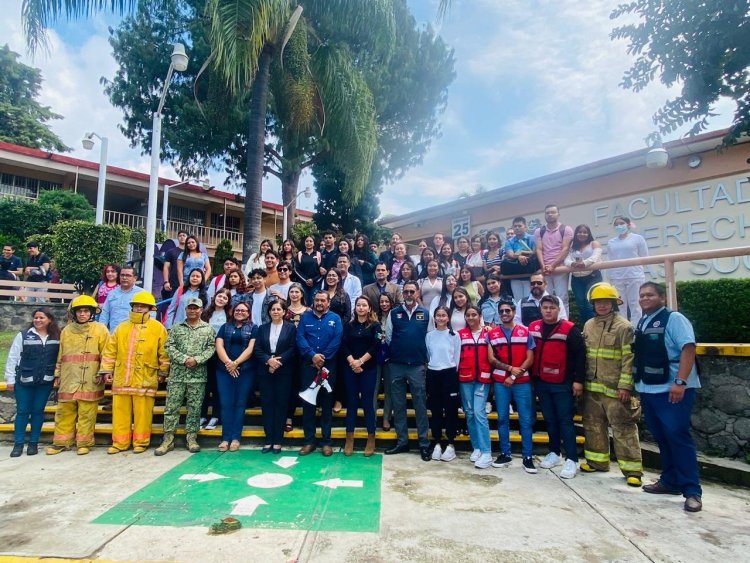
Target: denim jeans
233,392
670,425
523,395
360,387
556,400
580,286
30,402
474,398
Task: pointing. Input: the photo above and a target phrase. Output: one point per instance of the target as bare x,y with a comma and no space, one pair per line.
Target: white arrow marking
201,477
333,483
246,506
286,461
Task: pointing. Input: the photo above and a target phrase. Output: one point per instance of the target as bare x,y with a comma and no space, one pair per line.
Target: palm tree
245,37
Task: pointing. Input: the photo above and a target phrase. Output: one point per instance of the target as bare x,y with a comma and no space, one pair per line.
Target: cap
32,244
195,301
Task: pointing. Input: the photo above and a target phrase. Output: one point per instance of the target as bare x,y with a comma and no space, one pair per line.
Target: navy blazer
286,347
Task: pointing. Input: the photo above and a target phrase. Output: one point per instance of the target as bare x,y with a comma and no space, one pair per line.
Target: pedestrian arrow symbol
286,461
246,506
334,483
201,477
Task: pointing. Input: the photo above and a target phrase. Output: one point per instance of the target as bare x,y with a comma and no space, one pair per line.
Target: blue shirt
489,310
678,333
319,335
116,307
526,242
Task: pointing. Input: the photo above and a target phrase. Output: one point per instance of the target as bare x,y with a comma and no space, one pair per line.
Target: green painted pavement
279,497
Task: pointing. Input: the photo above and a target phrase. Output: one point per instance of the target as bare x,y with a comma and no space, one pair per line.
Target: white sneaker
474,455
449,454
550,460
569,470
212,423
488,407
484,461
202,423
437,452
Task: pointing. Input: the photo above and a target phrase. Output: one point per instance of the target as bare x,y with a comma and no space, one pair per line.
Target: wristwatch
512,377
679,381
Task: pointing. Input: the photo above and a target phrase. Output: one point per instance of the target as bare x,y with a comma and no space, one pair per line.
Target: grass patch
6,339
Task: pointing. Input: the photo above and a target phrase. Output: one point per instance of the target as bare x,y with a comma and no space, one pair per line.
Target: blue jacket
406,336
319,335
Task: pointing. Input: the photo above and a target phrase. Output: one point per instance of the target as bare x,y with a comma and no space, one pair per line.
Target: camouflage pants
177,393
601,412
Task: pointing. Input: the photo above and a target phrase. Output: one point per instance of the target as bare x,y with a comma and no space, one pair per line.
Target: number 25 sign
461,227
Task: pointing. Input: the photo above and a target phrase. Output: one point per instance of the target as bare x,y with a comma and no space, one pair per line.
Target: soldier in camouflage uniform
189,346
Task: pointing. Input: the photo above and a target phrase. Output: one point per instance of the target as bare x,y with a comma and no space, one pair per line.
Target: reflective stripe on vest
513,352
550,356
473,363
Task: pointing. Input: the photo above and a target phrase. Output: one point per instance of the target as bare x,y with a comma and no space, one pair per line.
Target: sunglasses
283,270
506,311
537,283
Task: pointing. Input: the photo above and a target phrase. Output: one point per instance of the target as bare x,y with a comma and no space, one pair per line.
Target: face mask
621,229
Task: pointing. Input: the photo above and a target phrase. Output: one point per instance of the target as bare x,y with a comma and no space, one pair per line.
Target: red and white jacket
473,363
550,354
510,351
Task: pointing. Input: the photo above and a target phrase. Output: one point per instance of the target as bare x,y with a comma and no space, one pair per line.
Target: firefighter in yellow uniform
608,400
77,378
134,361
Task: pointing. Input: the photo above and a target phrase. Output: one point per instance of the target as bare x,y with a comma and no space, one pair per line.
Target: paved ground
429,512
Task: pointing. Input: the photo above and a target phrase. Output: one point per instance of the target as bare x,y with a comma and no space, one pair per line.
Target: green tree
80,250
23,120
703,46
21,219
71,206
222,252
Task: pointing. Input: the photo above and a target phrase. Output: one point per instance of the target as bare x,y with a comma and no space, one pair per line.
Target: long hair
270,246
380,314
208,312
202,294
115,267
577,245
53,329
292,254
371,317
463,292
447,312
339,285
443,301
185,253
242,286
297,285
364,252
400,279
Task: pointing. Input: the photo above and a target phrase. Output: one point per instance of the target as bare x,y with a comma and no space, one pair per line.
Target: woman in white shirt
431,285
443,351
629,279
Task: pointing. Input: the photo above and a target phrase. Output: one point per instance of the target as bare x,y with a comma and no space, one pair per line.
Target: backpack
561,230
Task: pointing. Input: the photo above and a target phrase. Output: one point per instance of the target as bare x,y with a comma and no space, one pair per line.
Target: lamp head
307,192
179,57
87,141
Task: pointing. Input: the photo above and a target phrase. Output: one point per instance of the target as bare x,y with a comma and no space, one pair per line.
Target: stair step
257,432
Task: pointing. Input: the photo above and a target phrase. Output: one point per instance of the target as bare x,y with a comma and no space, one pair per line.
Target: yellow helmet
603,290
84,301
144,298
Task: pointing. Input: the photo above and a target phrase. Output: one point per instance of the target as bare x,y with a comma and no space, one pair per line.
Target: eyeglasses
243,311
537,283
409,291
506,311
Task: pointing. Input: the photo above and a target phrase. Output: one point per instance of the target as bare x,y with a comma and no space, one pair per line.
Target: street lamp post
307,193
88,144
165,198
179,62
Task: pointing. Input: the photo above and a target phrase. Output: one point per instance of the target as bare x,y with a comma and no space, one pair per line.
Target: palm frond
239,31
351,129
39,15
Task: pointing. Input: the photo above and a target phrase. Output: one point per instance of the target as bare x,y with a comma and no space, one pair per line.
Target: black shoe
397,449
17,450
528,465
32,449
503,460
424,452
266,450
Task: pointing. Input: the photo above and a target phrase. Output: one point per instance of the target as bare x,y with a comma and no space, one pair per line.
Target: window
233,223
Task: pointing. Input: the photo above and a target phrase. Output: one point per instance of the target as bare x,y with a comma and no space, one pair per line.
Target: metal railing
668,261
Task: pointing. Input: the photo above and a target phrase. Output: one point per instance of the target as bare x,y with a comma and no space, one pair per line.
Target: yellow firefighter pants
75,421
135,409
601,412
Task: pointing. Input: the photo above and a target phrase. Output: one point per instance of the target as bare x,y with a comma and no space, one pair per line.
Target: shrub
222,252
71,206
718,309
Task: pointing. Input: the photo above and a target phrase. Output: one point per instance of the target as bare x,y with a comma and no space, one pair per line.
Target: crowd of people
330,326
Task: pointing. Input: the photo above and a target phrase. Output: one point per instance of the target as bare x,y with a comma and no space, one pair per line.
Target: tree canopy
23,120
702,46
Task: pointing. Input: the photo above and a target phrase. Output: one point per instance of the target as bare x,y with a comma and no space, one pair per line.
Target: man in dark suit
373,291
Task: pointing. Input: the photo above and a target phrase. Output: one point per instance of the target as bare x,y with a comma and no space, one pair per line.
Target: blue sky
537,91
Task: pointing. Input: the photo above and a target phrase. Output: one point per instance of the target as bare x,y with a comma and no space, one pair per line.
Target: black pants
443,401
211,397
274,397
325,400
294,389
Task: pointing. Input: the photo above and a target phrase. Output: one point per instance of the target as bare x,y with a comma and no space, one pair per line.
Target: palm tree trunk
289,187
255,153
